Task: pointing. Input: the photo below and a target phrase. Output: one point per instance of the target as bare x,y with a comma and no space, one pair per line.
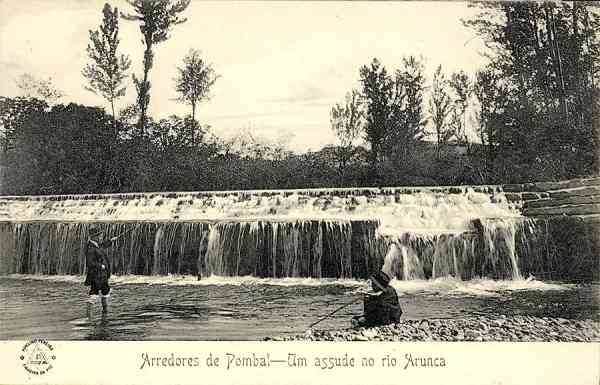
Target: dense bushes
74,149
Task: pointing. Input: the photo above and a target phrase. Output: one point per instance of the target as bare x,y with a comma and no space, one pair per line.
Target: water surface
245,308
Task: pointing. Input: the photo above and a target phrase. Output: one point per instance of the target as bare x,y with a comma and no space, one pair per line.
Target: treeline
68,149
538,97
530,114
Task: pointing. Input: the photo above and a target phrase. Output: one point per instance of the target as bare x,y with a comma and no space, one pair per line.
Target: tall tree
548,55
156,18
193,83
411,123
462,89
383,99
440,106
394,116
347,124
490,93
106,71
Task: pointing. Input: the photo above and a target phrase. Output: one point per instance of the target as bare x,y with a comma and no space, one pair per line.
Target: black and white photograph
176,170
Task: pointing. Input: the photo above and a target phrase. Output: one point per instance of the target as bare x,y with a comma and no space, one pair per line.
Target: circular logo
37,356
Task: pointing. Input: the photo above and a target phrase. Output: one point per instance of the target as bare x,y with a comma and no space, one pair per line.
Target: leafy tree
172,132
33,87
485,89
171,154
383,100
490,93
547,54
347,123
440,106
156,18
61,151
410,126
394,116
107,69
128,116
462,89
193,83
13,111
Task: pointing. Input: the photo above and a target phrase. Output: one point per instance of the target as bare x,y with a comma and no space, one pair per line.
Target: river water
247,308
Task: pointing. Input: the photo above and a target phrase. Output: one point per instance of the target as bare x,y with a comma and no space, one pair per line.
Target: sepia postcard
295,192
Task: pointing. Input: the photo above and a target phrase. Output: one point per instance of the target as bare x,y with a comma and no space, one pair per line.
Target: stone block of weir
567,215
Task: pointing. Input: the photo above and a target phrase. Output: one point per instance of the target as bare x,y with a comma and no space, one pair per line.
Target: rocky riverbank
513,329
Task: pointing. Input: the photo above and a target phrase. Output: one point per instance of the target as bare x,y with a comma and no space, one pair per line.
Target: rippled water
245,308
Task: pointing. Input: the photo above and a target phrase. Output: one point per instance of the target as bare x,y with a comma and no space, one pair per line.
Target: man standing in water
98,270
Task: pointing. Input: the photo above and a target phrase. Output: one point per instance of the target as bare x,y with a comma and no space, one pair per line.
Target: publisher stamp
37,356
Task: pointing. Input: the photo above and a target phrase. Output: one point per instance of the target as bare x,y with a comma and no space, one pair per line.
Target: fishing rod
107,242
356,299
111,240
355,292
333,312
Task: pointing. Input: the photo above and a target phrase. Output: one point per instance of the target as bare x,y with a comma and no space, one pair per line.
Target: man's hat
380,279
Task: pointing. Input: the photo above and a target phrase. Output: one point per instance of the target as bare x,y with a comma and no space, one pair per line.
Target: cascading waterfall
296,249
259,248
302,233
489,251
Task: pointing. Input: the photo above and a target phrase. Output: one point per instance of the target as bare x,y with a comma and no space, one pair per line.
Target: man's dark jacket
383,309
95,259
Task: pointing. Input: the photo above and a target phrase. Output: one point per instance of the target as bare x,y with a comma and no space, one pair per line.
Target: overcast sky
282,65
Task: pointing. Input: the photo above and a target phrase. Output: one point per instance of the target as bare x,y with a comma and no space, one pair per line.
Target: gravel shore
502,328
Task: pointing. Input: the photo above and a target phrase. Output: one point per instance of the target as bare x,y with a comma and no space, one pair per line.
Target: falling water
488,251
339,233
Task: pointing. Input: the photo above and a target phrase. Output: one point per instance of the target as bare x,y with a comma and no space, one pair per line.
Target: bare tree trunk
550,42
464,113
439,139
580,86
560,70
343,165
574,17
594,106
193,127
114,118
374,155
144,97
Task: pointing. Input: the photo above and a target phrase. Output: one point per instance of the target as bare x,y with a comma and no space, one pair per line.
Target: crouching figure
381,305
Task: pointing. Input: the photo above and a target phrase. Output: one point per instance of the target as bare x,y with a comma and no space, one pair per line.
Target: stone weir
566,215
466,232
